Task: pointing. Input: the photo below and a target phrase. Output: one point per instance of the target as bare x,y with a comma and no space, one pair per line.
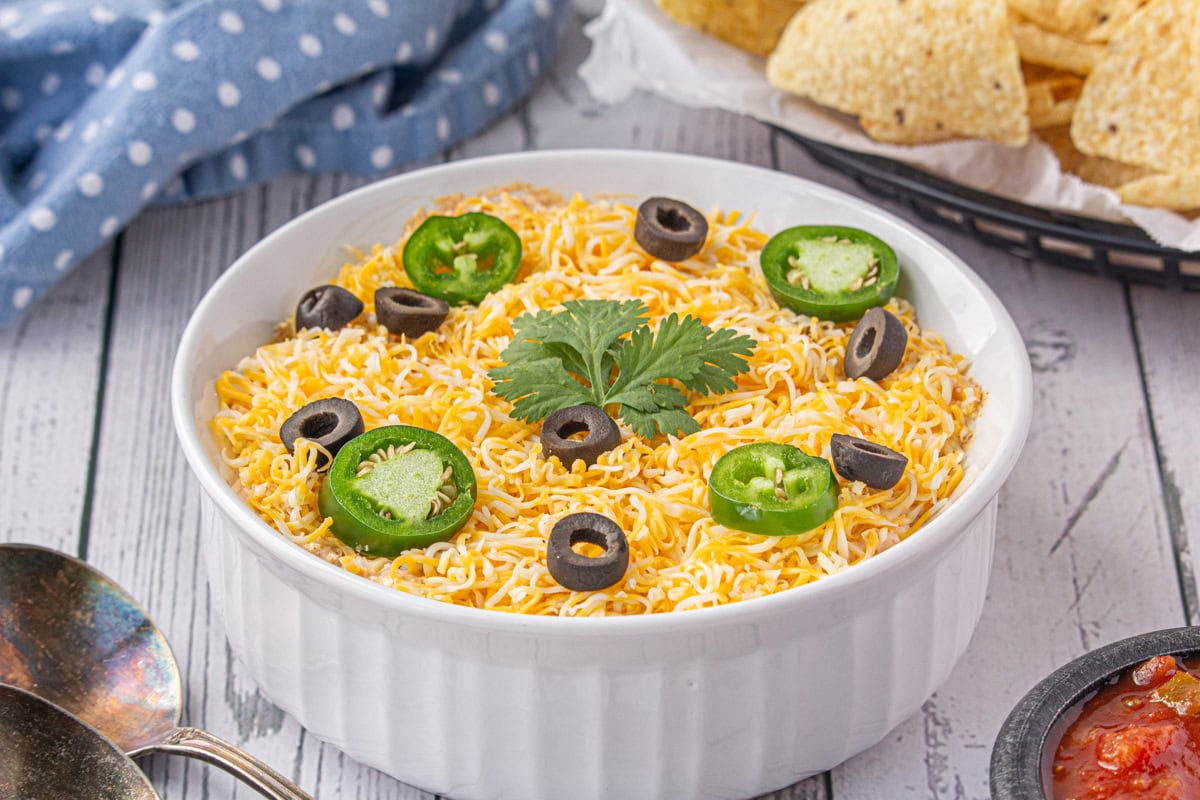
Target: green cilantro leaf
669,420
724,356
588,327
603,353
539,387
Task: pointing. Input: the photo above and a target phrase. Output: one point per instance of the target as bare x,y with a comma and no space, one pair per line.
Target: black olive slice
558,428
670,230
408,312
330,423
581,573
327,306
859,460
876,345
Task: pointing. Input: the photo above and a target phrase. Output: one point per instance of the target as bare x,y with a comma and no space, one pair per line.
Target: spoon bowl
74,638
77,639
48,754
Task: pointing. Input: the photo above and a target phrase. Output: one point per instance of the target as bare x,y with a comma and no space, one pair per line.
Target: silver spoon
47,754
75,638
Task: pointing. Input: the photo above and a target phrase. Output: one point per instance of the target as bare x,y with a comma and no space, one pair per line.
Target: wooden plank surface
50,370
1090,524
1167,327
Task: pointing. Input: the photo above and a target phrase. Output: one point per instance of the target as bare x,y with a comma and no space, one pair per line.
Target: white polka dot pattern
144,81
381,157
42,218
305,156
228,94
343,117
91,184
230,22
183,120
95,74
491,94
140,153
238,167
310,45
269,68
497,41
186,50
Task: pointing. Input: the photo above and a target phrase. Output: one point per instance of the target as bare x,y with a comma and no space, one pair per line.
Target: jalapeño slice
829,271
395,488
462,259
771,488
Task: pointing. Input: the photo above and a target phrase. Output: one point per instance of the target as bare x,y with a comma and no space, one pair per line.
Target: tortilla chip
1052,95
1083,20
1176,192
1040,46
752,25
883,130
1110,18
1043,12
1093,169
923,65
1141,104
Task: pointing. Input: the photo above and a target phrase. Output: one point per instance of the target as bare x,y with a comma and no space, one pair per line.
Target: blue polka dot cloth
107,107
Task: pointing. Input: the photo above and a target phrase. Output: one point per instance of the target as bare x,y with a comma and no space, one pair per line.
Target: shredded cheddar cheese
656,490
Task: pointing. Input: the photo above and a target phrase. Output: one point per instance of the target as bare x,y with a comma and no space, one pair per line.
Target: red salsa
1137,738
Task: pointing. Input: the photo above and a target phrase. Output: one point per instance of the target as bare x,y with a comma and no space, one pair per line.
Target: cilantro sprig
603,353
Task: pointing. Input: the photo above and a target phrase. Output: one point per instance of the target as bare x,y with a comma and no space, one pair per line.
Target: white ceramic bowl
726,702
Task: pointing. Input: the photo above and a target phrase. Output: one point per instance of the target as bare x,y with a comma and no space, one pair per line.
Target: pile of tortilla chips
1113,86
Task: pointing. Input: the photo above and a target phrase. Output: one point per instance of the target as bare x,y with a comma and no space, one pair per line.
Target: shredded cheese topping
656,490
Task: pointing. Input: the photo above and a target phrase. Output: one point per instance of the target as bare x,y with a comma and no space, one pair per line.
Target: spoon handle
218,752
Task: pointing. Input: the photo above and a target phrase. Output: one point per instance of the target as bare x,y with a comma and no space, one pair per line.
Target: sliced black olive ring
670,230
408,312
859,460
602,434
327,306
582,573
876,345
330,423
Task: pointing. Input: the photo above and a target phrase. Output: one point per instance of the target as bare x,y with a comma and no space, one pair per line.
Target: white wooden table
1098,524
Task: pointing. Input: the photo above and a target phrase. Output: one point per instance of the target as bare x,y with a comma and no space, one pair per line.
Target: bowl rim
1016,770
935,536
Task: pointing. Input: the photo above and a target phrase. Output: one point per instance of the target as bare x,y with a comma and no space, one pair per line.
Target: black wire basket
1110,249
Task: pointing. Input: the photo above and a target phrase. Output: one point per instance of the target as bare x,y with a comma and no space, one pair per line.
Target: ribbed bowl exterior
724,711
728,702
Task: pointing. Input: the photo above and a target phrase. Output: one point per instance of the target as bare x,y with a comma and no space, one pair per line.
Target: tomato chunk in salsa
1137,738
